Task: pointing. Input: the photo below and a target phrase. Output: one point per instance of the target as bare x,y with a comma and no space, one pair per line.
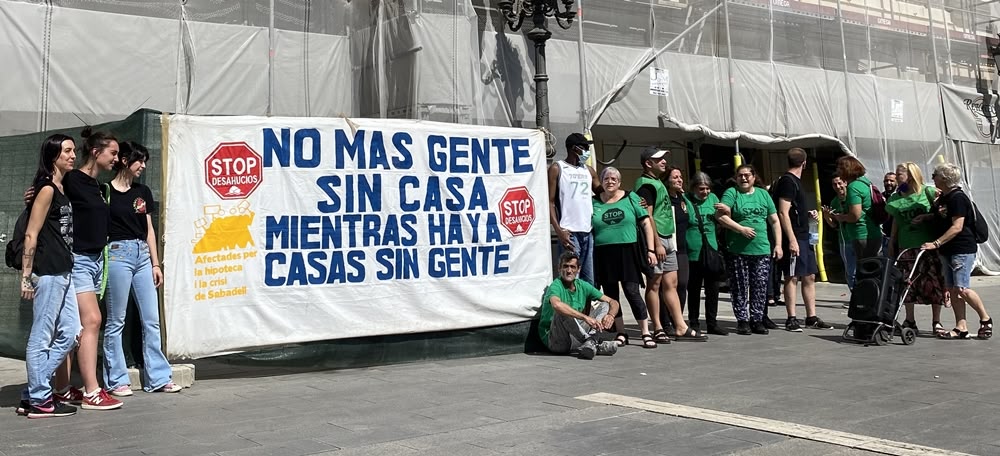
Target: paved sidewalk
941,394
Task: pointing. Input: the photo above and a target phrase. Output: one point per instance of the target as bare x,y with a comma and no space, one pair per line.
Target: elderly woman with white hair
617,217
954,214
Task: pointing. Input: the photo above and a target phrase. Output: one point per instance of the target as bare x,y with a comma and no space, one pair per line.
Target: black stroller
876,299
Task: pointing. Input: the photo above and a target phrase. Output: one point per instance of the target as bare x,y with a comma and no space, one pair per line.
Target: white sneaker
121,391
170,387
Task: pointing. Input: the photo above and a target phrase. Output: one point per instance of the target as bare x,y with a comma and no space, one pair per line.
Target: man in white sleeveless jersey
571,188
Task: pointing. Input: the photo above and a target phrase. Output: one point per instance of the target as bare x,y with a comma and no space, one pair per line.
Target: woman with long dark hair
46,279
133,265
682,208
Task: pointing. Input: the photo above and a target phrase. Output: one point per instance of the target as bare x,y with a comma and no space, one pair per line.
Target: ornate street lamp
515,11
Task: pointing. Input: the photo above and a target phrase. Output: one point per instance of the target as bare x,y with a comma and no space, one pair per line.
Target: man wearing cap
571,188
662,285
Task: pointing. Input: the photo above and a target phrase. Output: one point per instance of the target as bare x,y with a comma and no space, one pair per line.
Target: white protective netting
890,80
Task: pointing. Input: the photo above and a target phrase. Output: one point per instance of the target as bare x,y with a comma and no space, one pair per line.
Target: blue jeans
850,262
957,269
88,269
129,268
583,244
54,327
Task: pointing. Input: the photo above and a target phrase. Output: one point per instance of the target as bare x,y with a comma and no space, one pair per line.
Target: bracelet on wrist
651,250
156,265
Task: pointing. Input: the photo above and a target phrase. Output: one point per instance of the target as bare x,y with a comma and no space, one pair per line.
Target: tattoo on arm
29,253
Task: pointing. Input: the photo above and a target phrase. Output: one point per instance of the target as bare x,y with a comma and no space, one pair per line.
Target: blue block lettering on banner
361,193
468,261
455,155
280,148
313,268
367,150
397,264
432,195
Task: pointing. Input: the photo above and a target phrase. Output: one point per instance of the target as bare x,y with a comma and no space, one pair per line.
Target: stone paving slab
942,394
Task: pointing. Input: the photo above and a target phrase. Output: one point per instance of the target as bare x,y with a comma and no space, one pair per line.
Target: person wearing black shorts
799,264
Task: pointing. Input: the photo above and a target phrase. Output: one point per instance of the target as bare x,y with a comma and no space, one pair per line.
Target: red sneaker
99,400
70,396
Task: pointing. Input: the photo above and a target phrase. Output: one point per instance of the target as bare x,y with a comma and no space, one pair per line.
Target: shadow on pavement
835,338
10,395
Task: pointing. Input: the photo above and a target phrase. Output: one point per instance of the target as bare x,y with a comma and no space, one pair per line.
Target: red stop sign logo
517,210
233,170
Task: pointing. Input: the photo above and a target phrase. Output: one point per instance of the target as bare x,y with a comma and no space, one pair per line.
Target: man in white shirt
571,188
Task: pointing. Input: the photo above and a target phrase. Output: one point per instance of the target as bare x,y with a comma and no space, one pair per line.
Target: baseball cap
651,153
577,139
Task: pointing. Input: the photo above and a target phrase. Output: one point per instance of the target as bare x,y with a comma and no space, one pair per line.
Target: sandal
937,327
661,336
647,341
986,329
691,335
621,339
955,334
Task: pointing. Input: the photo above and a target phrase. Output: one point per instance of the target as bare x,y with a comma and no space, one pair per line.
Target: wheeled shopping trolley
876,300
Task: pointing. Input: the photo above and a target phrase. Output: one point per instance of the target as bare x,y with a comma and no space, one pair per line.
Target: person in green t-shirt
912,200
747,212
567,320
701,228
846,247
859,227
618,261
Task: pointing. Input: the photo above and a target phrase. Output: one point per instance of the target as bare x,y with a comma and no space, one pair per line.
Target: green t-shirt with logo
903,209
578,299
750,210
616,223
706,209
663,210
859,191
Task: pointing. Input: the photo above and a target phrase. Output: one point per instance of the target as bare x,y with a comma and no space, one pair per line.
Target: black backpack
14,255
980,229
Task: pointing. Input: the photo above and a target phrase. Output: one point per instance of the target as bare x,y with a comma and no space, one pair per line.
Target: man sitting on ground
569,323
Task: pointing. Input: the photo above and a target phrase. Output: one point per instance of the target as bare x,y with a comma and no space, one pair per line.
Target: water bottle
813,231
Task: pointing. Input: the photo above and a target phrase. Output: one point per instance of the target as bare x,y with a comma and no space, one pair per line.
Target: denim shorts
957,269
87,271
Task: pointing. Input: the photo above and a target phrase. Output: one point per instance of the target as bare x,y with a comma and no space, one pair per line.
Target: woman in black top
675,188
90,236
955,217
46,280
133,265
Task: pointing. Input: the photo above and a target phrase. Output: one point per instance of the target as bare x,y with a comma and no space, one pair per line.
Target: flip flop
691,335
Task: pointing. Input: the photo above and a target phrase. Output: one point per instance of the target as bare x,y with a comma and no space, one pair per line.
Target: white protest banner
285,230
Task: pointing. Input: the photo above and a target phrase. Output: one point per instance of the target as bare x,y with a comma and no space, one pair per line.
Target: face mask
904,187
585,155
